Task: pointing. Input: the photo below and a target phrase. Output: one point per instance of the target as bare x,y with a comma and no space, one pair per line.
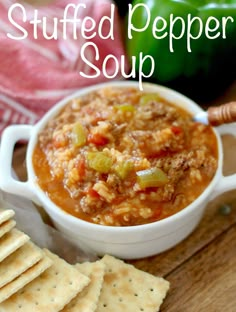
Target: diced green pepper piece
125,108
122,169
153,177
78,135
149,97
99,161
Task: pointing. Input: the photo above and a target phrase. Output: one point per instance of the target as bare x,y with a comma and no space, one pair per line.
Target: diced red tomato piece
93,193
97,139
81,167
58,142
176,130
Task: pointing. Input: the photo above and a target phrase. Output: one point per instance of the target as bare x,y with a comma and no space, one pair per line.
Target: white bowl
124,242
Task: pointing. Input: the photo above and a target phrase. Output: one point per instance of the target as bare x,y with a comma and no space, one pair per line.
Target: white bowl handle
226,183
10,136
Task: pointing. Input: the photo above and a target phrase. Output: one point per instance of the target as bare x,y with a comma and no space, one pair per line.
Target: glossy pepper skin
208,68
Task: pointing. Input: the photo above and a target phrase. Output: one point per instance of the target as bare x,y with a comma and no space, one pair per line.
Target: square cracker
87,300
25,278
126,288
6,227
18,262
11,241
49,292
6,215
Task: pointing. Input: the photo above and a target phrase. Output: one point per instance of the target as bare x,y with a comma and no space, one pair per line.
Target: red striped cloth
35,74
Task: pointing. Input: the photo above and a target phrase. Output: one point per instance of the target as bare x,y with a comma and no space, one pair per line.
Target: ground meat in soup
122,157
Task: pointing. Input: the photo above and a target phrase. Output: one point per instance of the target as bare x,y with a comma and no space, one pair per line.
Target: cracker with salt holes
6,215
87,300
24,279
128,289
49,292
6,226
11,241
18,262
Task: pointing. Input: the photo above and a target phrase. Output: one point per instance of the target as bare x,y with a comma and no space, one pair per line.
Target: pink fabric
35,74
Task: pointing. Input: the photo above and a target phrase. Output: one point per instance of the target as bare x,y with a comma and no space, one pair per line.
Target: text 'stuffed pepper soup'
122,157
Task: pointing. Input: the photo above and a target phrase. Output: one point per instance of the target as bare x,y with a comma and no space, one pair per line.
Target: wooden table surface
201,269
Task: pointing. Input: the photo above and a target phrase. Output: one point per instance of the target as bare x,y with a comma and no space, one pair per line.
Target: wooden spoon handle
222,114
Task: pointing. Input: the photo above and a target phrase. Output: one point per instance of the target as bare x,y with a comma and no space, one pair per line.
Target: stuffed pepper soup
122,157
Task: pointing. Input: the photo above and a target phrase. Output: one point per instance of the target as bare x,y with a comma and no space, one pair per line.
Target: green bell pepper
194,66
